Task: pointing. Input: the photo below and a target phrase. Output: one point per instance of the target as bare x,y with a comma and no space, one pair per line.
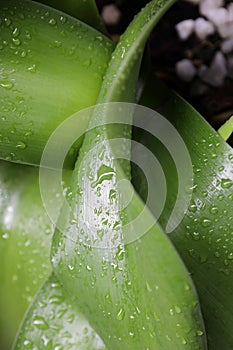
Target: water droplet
52,22
23,53
71,267
148,287
213,209
230,256
32,68
21,145
199,333
6,84
226,183
63,19
120,314
117,225
100,233
120,253
177,309
108,298
184,341
205,222
15,32
112,195
221,168
171,312
56,299
28,344
40,323
28,36
7,21
105,221
192,207
195,235
16,41
56,43
220,197
88,268
104,173
5,235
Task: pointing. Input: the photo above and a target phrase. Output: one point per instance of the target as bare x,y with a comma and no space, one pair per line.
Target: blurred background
191,50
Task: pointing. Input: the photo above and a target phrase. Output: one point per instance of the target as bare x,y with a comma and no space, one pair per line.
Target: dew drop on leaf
177,309
148,287
205,222
40,323
32,68
226,183
104,173
195,235
7,21
120,314
213,209
21,145
6,84
52,22
199,333
28,344
16,41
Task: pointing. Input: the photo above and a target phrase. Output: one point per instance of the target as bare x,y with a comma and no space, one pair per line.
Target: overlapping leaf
85,10
25,238
51,65
135,295
204,238
204,234
54,322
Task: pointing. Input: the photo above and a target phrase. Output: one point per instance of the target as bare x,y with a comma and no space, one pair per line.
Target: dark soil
216,104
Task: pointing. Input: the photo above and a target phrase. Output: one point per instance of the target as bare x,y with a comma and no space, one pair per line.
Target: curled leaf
51,66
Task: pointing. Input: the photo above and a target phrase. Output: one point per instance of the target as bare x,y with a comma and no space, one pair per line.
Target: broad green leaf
85,10
136,293
226,129
204,237
51,65
52,322
25,236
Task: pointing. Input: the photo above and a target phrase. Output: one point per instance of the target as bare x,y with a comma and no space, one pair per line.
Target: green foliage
107,287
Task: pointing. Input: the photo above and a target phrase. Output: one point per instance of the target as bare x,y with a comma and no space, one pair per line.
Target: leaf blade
36,94
108,282
53,322
198,238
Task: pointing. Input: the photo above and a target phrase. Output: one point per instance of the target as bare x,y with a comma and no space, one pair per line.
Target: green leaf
25,236
85,10
51,66
52,322
204,237
25,239
226,129
136,293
